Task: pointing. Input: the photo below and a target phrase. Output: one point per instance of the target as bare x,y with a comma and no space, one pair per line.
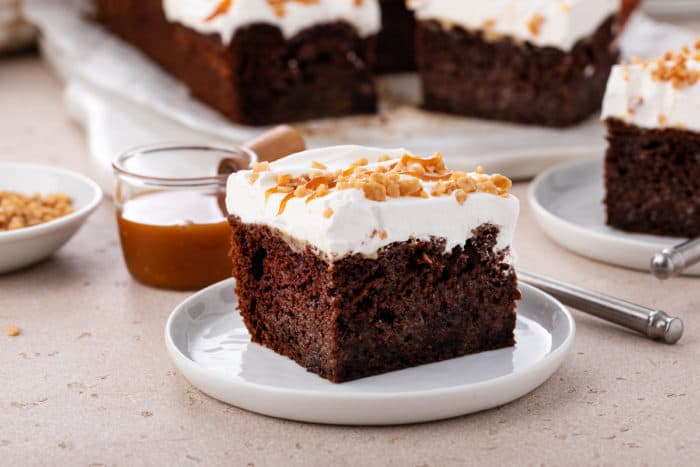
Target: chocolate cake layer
260,78
396,43
358,316
652,178
463,72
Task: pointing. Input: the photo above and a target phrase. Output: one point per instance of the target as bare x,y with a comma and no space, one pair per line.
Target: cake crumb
328,213
318,165
535,24
13,331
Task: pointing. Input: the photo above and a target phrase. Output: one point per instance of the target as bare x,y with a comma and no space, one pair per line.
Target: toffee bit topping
13,331
489,24
258,168
663,119
261,167
278,6
402,178
328,213
535,24
672,67
221,8
318,165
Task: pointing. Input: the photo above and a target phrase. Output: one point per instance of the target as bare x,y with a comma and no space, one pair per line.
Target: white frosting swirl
634,96
365,17
355,218
562,22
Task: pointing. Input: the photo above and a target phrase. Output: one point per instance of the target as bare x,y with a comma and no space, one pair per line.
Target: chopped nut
13,331
282,179
461,196
301,192
18,211
261,167
409,187
375,191
328,213
501,182
535,24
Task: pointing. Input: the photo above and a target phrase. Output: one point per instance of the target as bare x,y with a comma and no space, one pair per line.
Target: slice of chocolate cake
396,43
260,61
652,165
535,62
356,261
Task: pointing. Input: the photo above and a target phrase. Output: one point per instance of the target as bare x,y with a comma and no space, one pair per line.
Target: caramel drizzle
221,8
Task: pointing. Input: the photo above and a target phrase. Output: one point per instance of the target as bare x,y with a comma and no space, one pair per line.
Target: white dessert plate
23,247
568,204
209,344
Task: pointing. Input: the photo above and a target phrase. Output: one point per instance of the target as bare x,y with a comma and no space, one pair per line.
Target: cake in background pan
538,62
260,61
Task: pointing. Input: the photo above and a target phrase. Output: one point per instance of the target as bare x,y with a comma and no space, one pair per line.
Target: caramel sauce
177,240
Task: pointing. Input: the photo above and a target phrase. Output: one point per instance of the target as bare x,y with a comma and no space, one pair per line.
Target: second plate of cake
210,345
568,204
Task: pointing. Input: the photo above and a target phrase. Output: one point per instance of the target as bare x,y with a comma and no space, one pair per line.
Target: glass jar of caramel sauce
171,214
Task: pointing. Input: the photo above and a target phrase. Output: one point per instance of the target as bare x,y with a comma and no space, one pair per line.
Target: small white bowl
22,247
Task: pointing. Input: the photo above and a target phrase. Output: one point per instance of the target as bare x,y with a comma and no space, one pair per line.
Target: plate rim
555,357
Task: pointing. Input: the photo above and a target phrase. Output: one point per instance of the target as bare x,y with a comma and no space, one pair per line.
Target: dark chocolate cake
464,73
396,43
346,296
260,77
652,164
652,179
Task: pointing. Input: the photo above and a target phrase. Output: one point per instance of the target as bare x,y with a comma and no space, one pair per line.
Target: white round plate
209,344
23,247
568,204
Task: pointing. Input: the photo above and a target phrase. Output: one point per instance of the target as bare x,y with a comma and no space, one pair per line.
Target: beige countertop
88,382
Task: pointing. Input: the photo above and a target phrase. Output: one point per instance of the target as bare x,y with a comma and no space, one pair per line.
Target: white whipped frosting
365,17
565,22
349,230
635,97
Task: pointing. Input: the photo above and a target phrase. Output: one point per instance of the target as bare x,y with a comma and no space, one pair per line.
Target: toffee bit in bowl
18,211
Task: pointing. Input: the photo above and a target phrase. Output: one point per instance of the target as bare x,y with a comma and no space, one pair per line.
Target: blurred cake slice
540,62
260,61
652,165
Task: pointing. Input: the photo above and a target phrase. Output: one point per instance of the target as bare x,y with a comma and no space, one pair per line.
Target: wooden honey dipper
274,144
